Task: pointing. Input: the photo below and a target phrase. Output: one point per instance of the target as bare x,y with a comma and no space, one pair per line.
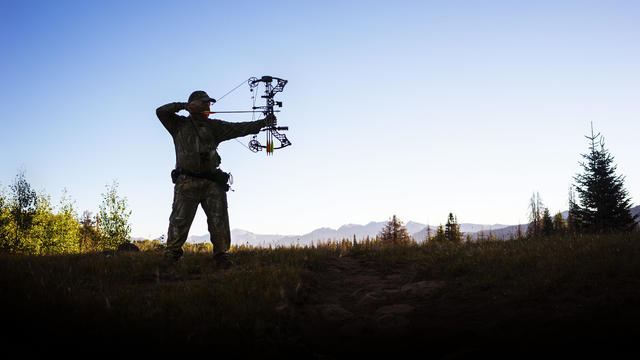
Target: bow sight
272,130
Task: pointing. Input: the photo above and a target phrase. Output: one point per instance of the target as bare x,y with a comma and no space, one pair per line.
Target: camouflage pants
189,192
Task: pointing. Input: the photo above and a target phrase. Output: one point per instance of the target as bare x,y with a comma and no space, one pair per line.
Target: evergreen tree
547,223
440,236
113,221
604,202
394,233
452,229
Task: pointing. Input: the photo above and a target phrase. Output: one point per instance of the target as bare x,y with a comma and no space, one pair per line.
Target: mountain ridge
416,229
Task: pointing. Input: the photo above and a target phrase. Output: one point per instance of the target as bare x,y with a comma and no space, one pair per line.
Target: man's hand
270,120
197,107
192,107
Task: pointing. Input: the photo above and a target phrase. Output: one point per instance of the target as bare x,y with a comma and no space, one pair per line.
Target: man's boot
168,262
222,260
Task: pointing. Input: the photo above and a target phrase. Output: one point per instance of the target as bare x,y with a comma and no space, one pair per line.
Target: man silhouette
197,177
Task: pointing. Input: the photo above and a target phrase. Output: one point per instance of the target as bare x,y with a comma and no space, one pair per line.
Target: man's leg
182,214
215,206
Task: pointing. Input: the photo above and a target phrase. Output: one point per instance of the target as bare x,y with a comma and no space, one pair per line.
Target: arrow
233,112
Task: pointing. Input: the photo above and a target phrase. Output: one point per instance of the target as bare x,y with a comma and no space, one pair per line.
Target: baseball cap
200,95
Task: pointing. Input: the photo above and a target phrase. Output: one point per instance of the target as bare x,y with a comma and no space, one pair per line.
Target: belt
220,177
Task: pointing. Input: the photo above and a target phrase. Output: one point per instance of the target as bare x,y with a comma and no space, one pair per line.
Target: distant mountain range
417,230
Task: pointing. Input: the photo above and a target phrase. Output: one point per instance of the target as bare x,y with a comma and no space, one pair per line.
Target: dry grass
125,298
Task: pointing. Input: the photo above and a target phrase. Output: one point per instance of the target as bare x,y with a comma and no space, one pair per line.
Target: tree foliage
30,224
113,219
89,235
21,207
6,222
559,224
51,232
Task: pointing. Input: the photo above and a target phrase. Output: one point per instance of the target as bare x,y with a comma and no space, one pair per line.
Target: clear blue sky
413,108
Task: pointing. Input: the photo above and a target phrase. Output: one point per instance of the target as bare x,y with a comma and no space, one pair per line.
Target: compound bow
272,130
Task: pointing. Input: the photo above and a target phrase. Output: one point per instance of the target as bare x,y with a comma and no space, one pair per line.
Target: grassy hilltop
576,294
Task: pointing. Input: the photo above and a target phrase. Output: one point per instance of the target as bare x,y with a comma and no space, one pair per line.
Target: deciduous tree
535,215
22,207
114,216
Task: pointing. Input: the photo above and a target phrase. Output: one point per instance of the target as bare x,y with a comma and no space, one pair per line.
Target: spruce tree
452,229
395,233
547,223
604,202
440,236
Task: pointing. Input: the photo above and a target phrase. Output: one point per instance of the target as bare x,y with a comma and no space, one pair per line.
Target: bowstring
232,90
229,92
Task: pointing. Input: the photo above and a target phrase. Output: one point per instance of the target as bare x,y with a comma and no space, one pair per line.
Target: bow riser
268,109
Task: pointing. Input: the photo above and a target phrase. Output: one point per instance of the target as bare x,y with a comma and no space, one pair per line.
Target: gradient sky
413,108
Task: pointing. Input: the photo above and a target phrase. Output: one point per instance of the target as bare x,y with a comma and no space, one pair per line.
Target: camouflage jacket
196,141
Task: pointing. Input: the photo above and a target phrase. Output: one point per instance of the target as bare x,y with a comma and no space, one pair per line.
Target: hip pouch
174,175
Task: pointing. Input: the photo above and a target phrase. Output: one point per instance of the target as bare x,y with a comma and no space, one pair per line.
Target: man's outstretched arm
229,130
168,117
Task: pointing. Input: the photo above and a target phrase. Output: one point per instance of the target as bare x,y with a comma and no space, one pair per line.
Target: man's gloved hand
270,120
